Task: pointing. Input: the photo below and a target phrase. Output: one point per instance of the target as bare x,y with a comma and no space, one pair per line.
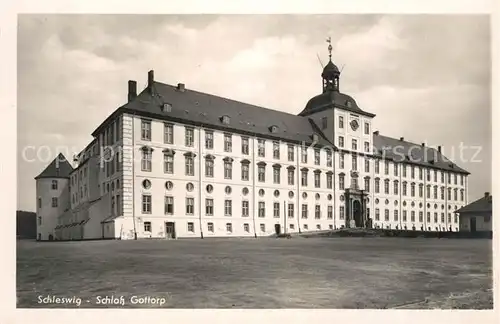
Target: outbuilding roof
482,205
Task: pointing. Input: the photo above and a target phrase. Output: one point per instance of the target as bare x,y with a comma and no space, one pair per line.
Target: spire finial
329,41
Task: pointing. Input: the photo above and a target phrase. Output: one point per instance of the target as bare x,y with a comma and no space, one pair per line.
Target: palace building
175,163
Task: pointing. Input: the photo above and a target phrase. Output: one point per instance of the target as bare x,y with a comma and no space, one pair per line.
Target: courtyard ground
262,273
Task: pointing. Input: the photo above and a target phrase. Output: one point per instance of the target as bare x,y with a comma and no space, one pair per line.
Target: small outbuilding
476,216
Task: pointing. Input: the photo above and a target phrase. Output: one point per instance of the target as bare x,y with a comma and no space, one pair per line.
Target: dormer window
273,129
225,119
348,103
166,107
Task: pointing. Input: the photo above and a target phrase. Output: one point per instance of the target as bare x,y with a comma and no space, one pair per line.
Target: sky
426,77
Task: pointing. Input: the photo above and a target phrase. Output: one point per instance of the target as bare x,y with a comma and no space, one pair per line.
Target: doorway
473,224
170,230
277,229
356,213
51,238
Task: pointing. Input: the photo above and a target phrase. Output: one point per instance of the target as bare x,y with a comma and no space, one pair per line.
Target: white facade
159,177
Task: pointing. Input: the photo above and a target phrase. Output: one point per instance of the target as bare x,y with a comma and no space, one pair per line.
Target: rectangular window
404,170
354,161
435,217
261,173
428,192
428,217
367,184
145,130
291,153
420,216
209,168
168,164
246,228
435,176
147,226
244,146
377,166
367,128
189,206
386,167
276,209
54,202
329,181
169,205
396,215
276,150
291,177
189,137
189,163
168,135
276,175
341,141
317,180
209,207
228,170
324,123
412,215
341,160
228,143
245,171
262,209
461,180
54,184
304,211
317,157
145,162
146,204
341,212
329,158
420,174
118,205
367,147
261,146
442,177
245,208
229,227
377,185
341,122
341,182
455,179
412,172
304,178
442,217
396,187
367,165
262,228
386,187
386,215
329,214
404,215
209,140
396,170
303,155
435,192
39,220
210,227
118,162
354,145
228,207
291,210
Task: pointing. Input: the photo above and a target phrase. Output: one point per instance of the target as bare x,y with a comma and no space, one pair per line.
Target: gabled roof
482,205
198,108
58,168
403,151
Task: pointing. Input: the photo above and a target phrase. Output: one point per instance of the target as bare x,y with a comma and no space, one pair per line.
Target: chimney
486,194
375,132
423,144
181,87
132,90
151,80
401,139
439,148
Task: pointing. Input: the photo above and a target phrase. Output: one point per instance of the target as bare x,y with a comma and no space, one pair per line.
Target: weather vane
329,41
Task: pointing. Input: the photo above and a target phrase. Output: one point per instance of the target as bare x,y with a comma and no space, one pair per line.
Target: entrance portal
170,230
277,229
357,213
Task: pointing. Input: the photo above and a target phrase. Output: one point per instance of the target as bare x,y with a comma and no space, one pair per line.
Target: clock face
354,125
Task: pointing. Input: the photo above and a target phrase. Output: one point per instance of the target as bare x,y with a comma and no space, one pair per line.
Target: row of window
324,124
55,202
228,208
229,227
228,143
436,218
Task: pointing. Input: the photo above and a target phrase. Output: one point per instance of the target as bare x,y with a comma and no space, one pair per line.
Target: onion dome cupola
331,73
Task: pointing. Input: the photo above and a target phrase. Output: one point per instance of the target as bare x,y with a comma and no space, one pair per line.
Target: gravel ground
259,273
